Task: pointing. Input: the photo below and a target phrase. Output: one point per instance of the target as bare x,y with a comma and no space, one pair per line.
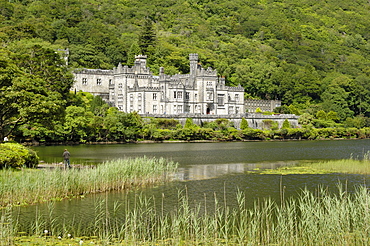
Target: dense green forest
312,55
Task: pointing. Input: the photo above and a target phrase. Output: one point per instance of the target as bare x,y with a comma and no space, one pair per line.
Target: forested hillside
314,55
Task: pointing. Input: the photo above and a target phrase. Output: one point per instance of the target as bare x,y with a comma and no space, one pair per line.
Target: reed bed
30,186
344,166
313,219
352,166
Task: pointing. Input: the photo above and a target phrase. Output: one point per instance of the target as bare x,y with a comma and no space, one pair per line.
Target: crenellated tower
193,58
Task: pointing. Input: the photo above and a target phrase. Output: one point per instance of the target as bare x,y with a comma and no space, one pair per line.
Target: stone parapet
93,71
255,120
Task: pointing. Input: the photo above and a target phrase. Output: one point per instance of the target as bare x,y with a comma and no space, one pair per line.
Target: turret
140,61
193,58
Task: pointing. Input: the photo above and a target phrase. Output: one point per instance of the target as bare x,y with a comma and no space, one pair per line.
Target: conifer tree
286,124
244,124
147,37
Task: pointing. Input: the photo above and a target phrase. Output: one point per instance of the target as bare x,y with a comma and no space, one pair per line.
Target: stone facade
137,89
265,105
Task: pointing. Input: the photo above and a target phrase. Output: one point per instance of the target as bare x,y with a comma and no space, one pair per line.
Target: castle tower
140,60
193,58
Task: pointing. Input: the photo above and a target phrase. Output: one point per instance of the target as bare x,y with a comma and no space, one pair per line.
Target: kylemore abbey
201,93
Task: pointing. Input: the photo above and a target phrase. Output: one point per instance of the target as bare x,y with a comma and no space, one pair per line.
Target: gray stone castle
200,95
137,89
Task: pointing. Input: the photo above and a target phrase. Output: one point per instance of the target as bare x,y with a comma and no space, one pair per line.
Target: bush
286,124
13,155
244,124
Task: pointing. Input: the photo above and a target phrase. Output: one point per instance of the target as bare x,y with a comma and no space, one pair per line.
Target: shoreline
181,141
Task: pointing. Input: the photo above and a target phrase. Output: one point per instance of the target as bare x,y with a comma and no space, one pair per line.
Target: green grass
30,186
322,167
313,219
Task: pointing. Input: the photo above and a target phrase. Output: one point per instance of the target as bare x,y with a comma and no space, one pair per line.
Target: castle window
179,109
131,108
179,94
98,81
139,97
84,81
110,82
209,84
237,110
154,109
174,94
231,110
187,95
155,96
119,86
131,97
174,109
187,109
209,96
195,97
237,97
220,99
139,108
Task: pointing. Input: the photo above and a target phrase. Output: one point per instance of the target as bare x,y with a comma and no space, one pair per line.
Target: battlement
93,71
238,88
131,70
150,88
193,57
207,72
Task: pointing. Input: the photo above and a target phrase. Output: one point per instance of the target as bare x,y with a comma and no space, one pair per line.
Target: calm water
212,153
208,170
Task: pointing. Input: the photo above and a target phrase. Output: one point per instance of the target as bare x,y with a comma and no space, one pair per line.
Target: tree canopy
34,85
311,55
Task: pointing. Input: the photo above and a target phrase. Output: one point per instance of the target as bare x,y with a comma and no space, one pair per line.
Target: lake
207,171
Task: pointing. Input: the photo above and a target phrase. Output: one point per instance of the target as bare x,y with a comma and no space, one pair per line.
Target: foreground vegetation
30,186
313,219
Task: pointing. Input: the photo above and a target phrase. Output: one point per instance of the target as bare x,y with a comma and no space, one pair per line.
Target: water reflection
209,171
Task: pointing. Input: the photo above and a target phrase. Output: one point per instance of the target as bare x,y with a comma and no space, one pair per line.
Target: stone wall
255,120
265,105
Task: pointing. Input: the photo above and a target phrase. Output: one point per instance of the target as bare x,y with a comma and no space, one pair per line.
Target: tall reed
8,226
29,186
312,219
344,166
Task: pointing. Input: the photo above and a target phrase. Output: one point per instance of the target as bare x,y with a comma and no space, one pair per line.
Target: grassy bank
313,219
323,167
30,186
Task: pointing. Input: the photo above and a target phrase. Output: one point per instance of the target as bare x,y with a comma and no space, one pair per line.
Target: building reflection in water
209,171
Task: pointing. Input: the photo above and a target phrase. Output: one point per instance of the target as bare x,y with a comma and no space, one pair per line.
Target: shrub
254,134
244,124
190,124
163,123
15,155
270,124
286,124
